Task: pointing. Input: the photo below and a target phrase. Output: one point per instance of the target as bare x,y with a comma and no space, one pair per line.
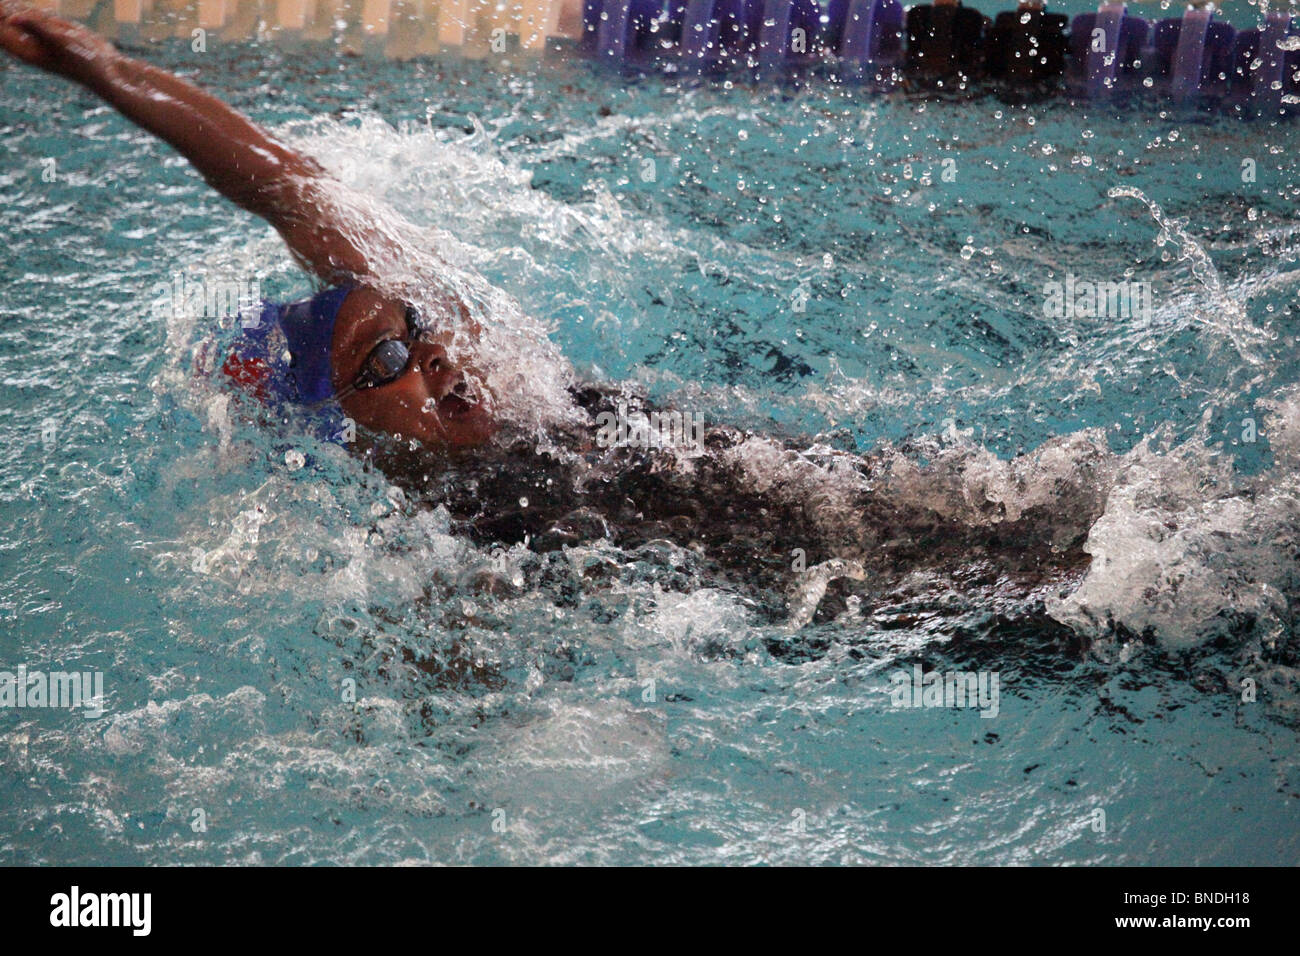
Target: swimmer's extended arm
236,156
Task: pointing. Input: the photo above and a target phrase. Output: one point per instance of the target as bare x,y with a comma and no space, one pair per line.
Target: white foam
1184,548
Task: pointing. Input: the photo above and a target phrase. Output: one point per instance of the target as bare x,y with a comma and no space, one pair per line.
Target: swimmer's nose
428,359
442,377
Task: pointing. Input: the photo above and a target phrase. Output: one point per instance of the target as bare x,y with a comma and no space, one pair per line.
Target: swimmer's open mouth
455,406
460,400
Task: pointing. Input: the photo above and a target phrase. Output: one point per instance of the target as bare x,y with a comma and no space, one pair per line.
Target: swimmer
744,502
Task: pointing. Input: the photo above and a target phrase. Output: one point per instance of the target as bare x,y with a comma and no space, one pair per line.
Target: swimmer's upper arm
237,157
245,164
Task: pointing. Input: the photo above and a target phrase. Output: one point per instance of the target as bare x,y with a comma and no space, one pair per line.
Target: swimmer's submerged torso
756,511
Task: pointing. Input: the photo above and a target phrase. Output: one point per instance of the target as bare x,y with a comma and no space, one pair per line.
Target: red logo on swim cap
250,373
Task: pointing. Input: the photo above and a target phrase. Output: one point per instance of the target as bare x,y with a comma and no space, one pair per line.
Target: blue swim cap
308,329
303,377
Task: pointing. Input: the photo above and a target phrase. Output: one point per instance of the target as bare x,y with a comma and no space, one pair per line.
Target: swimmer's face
433,400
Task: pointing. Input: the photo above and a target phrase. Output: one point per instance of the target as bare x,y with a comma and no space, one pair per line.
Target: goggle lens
385,363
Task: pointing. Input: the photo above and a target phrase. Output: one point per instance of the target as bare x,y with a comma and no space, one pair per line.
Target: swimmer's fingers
52,44
19,43
21,40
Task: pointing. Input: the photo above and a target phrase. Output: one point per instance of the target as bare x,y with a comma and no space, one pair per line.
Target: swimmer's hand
238,158
45,41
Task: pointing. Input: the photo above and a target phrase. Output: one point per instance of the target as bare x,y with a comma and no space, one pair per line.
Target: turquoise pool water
795,260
